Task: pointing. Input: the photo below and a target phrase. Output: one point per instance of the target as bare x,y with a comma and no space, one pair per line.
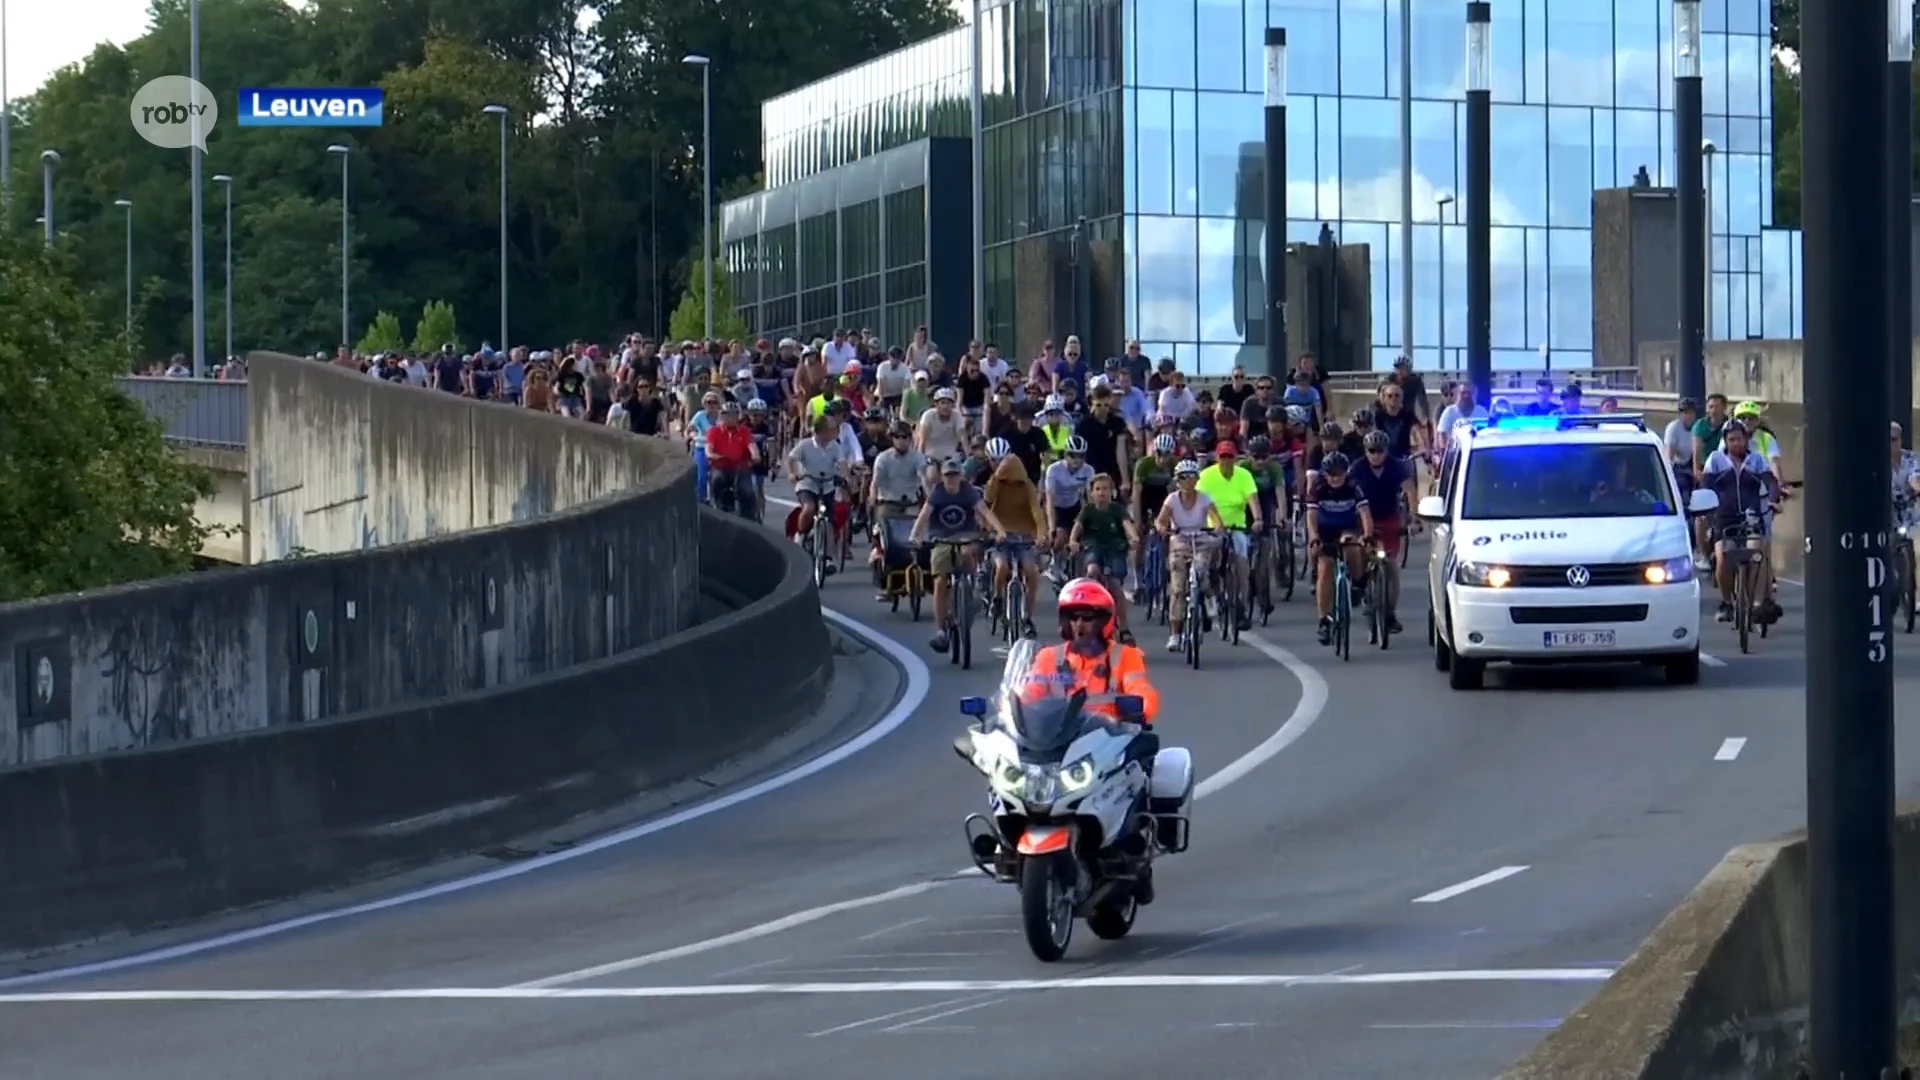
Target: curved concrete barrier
1720,988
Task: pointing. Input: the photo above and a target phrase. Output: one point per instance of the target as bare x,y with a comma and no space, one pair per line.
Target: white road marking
1469,885
744,968
838,1028
815,989
919,683
1473,1025
1730,749
1711,660
885,930
1313,701
942,1015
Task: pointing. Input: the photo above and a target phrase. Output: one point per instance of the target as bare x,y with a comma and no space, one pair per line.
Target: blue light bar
1508,422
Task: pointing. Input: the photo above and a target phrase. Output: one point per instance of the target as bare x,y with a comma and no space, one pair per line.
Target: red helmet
1085,596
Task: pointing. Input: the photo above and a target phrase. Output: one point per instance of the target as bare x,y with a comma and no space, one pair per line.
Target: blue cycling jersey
1338,505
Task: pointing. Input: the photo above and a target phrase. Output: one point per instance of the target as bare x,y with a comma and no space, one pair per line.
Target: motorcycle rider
1088,657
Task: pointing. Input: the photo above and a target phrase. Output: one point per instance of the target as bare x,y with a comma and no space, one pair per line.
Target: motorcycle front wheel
1046,904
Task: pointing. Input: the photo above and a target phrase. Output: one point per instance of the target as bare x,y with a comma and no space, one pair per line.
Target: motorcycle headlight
1078,775
1009,777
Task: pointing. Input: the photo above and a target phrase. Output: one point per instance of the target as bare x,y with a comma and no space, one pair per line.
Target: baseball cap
1226,449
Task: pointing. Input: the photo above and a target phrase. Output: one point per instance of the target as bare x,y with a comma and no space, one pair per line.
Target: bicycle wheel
1743,607
1016,607
1260,577
916,591
1193,628
1343,615
1282,564
963,617
1382,629
1907,583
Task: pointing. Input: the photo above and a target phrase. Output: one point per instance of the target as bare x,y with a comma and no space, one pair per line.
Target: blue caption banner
290,106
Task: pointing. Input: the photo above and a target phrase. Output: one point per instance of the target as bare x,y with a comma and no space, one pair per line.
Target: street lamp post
1275,239
706,180
1440,204
1900,213
1480,201
127,205
6,130
501,111
976,94
346,239
197,162
226,182
1690,200
1853,980
48,160
1707,151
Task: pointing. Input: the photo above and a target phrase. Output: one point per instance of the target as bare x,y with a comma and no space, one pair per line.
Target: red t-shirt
729,446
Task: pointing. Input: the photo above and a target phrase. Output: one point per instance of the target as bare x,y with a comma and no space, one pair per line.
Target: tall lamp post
1690,199
49,159
346,238
1849,703
197,163
502,111
1900,212
1440,204
976,93
127,205
706,180
226,182
1707,307
1275,238
1480,201
6,129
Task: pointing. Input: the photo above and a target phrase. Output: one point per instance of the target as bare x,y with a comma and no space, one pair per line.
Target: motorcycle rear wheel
1112,919
1046,905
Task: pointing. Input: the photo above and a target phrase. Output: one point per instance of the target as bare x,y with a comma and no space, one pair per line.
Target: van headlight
1483,575
1668,572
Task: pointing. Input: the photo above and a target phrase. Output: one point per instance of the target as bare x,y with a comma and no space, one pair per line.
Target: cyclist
1186,513
898,485
1066,484
1014,499
1027,442
1106,541
1743,481
695,432
1762,438
1088,658
954,510
1316,455
731,457
817,466
761,423
1237,496
1384,479
1336,513
1906,482
943,428
1055,428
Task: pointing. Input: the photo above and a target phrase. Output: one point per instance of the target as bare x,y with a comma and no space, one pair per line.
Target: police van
1557,540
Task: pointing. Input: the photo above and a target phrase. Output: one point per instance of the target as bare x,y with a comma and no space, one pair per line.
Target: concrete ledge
127,841
1720,988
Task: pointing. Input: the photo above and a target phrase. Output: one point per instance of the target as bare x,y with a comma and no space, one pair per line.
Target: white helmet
998,449
1163,444
1054,404
756,405
1187,467
943,394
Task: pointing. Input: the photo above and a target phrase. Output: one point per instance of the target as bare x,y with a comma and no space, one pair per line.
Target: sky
44,36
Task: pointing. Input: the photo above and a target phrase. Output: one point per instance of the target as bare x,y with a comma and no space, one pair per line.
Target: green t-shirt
1709,435
1104,528
1267,475
1151,473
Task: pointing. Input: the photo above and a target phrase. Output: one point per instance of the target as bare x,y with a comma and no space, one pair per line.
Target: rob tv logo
304,107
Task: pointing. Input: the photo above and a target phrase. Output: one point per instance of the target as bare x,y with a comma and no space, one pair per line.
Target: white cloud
44,36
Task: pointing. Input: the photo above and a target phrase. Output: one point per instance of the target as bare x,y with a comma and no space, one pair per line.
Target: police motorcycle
1081,805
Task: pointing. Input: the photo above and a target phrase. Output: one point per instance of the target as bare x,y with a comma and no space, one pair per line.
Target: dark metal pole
1690,200
1900,212
1480,201
1276,209
1849,671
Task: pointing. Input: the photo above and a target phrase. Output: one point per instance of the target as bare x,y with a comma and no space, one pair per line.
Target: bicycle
1343,601
1260,574
1903,575
1280,557
1012,614
960,603
1153,579
1746,576
1406,515
1193,621
1374,594
1232,599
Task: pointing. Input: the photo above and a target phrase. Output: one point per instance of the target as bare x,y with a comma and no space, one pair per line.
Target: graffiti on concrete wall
137,666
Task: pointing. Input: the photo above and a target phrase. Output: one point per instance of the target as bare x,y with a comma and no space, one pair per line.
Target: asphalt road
1321,925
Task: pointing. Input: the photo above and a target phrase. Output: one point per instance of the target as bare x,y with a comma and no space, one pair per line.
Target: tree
689,320
436,327
95,497
384,335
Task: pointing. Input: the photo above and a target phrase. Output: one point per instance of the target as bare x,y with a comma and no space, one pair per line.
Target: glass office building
1143,118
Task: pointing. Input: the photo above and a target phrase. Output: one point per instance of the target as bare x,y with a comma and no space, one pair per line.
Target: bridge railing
1508,379
195,412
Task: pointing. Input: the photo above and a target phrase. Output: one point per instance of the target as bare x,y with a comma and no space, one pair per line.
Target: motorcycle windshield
1043,715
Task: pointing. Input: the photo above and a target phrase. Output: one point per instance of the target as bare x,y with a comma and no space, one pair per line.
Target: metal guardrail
1522,379
194,412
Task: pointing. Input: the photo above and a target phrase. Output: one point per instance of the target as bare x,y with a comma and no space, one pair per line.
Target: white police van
1561,540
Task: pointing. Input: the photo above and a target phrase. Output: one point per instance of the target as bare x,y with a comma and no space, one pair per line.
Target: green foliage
604,192
384,335
93,497
436,327
689,320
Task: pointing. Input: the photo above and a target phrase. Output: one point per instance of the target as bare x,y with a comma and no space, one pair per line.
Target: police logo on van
1532,534
1482,541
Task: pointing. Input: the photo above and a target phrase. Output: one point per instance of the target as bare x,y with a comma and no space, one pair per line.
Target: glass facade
1582,98
901,97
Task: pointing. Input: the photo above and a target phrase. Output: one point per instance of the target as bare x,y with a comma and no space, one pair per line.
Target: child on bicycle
1336,515
1105,539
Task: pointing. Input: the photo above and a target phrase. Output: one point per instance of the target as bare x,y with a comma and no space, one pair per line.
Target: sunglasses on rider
1373,450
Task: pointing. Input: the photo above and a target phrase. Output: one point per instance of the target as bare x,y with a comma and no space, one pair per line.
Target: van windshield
1567,480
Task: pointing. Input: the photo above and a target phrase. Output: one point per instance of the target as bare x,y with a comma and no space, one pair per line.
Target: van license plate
1579,639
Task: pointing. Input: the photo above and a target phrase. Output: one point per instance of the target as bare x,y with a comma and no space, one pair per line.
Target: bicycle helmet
953,466
1083,596
1188,469
1076,446
1732,427
943,394
1054,404
756,405
1335,462
1375,440
1163,444
731,408
1225,413
1330,430
1259,446
1114,363
1278,413
875,413
998,449
900,430
1296,414
1747,409
1363,417
743,375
